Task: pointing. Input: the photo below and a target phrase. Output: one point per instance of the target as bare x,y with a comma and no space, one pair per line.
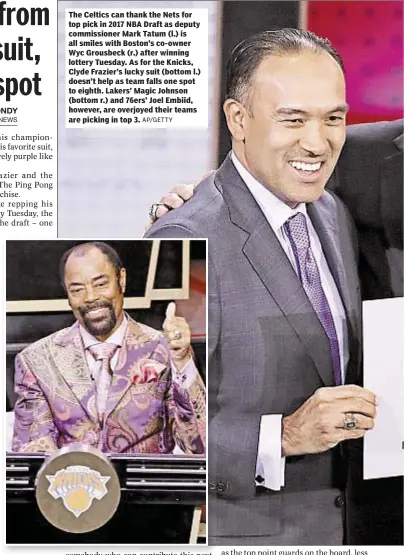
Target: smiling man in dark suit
284,303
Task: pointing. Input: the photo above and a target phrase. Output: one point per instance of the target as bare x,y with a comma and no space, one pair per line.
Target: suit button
220,487
339,501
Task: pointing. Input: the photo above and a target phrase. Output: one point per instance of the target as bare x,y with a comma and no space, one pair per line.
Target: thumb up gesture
177,333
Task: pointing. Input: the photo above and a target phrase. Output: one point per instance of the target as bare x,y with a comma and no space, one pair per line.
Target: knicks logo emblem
77,486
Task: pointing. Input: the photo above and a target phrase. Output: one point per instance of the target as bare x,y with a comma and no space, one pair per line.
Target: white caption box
140,67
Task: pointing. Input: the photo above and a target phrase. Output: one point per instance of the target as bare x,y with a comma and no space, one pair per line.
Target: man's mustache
102,304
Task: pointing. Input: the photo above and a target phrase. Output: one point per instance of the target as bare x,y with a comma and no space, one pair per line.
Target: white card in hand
383,333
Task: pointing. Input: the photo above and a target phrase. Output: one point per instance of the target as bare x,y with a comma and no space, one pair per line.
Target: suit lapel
286,290
272,265
70,361
338,251
336,244
136,345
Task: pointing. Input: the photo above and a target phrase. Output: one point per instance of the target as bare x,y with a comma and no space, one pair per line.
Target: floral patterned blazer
151,406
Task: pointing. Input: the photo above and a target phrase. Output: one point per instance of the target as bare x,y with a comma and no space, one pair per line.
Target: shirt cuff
185,377
270,463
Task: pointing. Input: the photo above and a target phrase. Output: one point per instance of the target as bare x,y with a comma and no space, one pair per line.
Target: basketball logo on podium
78,486
77,489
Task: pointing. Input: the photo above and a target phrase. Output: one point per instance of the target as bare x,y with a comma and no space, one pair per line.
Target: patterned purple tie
296,229
103,352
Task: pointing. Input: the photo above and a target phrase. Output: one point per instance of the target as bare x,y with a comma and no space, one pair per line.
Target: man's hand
318,424
174,199
178,335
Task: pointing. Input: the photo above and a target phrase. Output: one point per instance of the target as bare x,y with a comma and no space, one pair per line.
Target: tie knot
296,228
103,351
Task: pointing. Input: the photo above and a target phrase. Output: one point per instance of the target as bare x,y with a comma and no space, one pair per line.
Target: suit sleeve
34,428
186,402
169,231
233,437
187,408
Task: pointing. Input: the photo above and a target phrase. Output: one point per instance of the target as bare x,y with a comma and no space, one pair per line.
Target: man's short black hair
82,248
248,54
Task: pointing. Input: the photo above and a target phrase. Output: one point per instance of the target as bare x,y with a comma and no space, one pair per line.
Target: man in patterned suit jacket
154,398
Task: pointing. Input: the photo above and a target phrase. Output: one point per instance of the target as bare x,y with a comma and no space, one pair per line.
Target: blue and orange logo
77,486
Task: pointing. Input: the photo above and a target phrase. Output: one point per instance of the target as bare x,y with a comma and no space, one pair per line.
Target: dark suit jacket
369,179
268,352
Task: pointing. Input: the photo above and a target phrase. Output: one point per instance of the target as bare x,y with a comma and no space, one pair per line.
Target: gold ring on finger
153,210
350,421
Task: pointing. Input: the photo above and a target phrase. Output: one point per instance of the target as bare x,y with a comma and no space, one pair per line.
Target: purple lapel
70,361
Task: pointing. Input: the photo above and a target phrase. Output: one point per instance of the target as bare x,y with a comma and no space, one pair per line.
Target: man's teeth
306,167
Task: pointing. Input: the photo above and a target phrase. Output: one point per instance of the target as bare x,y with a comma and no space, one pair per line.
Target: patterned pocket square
147,370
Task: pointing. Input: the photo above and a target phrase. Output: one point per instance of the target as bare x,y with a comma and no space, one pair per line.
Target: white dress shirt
270,463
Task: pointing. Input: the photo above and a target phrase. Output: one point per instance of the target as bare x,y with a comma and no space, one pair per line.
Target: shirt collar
275,210
115,339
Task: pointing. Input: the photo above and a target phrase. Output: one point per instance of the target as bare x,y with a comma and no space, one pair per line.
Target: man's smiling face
95,292
292,125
